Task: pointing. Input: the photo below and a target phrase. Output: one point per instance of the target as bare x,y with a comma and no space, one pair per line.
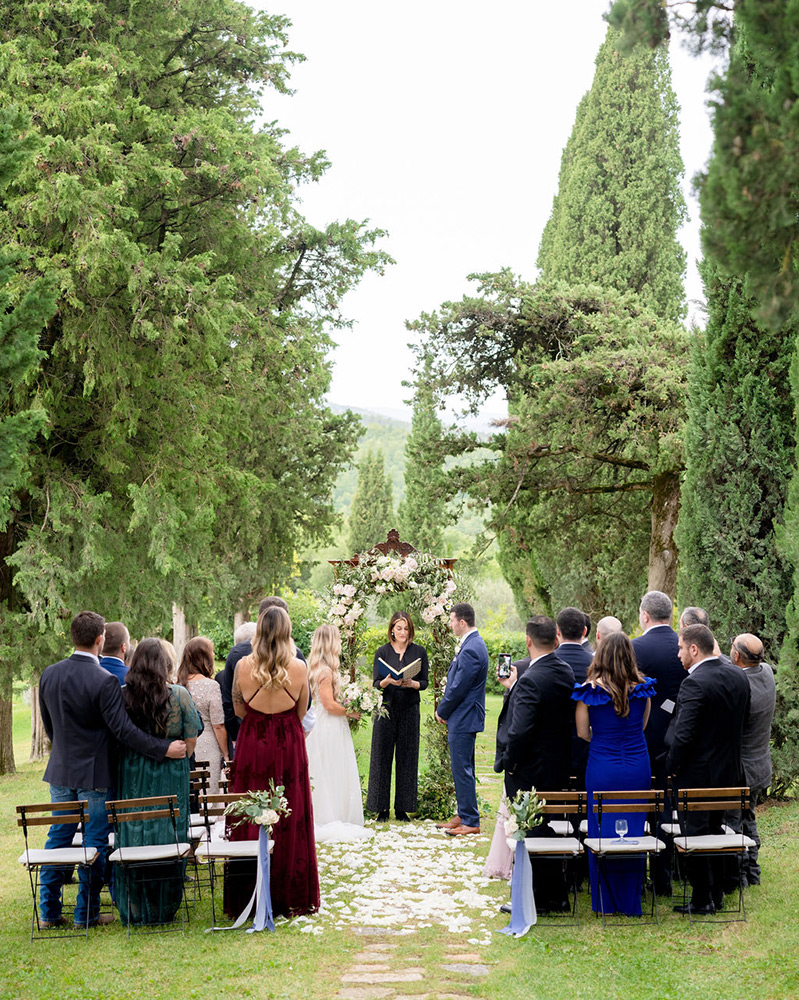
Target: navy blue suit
463,708
656,654
114,666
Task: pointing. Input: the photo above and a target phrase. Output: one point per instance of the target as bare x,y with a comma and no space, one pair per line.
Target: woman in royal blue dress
612,712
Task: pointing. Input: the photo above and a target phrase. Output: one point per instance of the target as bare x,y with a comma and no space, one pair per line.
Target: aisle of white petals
406,877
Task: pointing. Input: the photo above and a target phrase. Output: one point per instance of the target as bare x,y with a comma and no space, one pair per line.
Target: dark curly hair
146,687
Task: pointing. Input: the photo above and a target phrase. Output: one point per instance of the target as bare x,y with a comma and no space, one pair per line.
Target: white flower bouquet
262,808
360,696
525,812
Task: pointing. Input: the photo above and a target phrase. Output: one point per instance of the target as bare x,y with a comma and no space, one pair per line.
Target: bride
336,786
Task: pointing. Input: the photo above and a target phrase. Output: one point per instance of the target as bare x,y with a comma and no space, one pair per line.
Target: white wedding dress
335,784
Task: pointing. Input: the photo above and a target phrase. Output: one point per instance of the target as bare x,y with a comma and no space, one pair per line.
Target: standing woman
399,732
270,694
196,674
612,712
165,710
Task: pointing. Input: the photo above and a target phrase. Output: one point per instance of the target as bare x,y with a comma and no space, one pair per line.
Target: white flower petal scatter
404,878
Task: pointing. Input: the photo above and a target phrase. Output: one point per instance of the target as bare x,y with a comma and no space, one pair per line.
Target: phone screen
503,665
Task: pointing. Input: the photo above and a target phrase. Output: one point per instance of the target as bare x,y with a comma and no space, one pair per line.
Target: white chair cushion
549,845
206,851
562,827
642,845
714,842
58,856
152,852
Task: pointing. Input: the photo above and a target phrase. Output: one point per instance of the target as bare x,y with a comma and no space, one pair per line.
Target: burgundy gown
273,746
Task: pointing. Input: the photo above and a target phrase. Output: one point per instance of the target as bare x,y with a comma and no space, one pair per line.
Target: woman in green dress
152,894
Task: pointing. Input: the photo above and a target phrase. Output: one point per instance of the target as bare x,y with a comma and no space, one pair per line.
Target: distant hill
383,433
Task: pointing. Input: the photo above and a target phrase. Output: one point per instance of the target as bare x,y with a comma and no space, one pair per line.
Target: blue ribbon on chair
522,901
263,909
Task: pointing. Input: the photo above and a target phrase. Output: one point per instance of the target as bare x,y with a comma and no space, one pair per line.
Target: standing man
606,626
747,654
705,749
537,750
572,632
83,713
463,711
117,641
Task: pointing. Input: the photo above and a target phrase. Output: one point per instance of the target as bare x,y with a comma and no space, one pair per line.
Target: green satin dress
151,894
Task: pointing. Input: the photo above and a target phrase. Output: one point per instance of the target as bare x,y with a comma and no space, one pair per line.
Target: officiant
400,672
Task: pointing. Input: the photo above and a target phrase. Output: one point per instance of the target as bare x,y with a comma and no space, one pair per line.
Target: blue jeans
90,877
461,754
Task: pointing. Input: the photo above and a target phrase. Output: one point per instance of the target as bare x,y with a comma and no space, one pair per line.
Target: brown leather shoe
102,921
47,925
459,831
450,824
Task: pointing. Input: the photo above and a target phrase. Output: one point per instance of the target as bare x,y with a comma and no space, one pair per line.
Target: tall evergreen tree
739,455
187,448
372,511
614,223
422,515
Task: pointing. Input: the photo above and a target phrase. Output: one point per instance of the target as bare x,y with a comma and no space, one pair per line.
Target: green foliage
436,787
379,434
785,738
739,446
424,514
187,449
372,512
619,205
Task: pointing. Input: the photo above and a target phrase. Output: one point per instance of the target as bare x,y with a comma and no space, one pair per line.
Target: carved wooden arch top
391,544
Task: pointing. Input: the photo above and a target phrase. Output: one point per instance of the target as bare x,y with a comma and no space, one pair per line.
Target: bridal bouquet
525,812
360,696
262,808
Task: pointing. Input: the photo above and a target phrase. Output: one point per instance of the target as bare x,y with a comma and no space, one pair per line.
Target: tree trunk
662,549
181,631
40,744
239,618
7,765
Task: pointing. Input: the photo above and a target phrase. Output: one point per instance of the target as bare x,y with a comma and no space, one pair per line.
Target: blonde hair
172,653
272,649
325,653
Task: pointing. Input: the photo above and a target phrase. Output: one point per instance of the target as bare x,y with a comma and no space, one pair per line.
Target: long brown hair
272,649
615,667
146,691
198,658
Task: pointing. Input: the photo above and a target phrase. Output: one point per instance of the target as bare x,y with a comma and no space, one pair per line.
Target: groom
462,710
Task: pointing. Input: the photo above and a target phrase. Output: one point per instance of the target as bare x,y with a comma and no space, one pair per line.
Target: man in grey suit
747,653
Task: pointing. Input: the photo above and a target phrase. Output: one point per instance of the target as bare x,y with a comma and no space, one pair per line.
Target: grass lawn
757,960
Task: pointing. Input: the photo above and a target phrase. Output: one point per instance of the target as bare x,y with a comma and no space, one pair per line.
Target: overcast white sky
445,121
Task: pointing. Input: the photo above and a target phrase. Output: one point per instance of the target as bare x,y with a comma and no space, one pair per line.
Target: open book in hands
403,673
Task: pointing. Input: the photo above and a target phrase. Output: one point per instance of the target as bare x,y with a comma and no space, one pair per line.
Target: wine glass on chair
621,830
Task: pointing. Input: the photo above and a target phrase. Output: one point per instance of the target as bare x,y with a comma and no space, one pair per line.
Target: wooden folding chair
51,814
212,848
606,847
563,812
149,876
727,845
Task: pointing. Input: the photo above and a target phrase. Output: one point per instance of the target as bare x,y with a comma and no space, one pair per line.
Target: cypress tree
739,454
422,515
372,511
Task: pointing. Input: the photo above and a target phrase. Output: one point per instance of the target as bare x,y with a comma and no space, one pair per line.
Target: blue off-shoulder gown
617,759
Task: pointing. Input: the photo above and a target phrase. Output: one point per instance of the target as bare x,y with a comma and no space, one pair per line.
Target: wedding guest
165,710
607,626
196,674
172,654
116,645
83,713
335,782
397,735
747,654
572,631
462,711
270,695
612,711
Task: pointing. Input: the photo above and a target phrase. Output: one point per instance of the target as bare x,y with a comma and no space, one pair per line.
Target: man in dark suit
572,632
705,748
747,654
115,646
83,713
463,711
538,744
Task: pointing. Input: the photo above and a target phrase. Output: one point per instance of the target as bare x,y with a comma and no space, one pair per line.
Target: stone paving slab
366,993
471,970
374,978
371,967
463,958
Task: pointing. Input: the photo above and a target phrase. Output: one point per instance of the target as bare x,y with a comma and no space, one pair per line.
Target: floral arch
394,567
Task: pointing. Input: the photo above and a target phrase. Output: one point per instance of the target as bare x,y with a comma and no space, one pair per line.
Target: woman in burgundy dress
270,694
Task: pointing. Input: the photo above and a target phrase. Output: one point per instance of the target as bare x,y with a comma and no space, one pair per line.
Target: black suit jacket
656,654
504,714
705,739
83,712
579,659
538,745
